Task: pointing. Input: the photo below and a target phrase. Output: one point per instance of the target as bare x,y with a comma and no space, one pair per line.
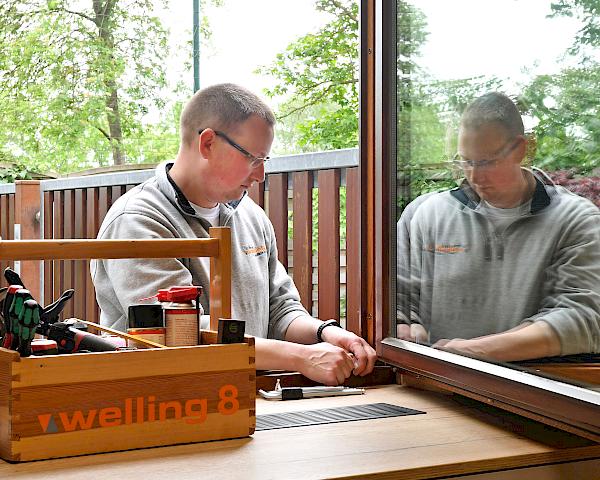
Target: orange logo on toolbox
192,411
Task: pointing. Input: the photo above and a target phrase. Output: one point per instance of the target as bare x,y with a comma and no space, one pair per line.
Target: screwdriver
16,308
29,319
8,300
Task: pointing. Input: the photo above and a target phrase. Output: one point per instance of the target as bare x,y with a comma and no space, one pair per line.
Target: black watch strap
326,324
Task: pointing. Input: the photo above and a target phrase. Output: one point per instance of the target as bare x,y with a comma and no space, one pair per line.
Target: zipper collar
469,198
185,205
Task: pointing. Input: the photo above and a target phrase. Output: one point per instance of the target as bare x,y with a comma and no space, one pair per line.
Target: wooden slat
57,271
353,268
81,267
69,230
329,244
302,202
27,205
103,203
82,249
11,223
91,308
220,277
48,229
278,213
115,193
257,193
3,230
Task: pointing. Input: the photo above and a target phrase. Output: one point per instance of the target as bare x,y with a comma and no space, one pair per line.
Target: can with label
182,310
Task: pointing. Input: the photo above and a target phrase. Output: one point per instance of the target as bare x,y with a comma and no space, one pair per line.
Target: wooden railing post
27,227
220,277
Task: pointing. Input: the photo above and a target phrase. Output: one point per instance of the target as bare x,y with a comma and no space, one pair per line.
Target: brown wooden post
27,227
329,244
92,225
303,183
278,213
220,277
353,256
257,193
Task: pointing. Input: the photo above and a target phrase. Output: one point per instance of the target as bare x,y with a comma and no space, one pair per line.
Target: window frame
549,401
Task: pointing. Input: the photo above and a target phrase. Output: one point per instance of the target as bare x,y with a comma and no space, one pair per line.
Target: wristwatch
326,324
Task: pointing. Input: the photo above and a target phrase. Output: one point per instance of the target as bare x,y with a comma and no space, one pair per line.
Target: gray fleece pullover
459,277
262,292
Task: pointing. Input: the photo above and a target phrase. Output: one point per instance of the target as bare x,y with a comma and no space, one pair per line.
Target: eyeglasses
460,162
254,160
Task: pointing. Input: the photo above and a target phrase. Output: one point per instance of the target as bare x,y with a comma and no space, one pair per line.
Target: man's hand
364,355
530,340
415,332
473,347
326,363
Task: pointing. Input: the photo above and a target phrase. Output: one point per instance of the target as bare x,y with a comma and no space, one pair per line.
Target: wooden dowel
126,336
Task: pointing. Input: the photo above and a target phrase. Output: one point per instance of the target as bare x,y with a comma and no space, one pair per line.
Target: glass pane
498,108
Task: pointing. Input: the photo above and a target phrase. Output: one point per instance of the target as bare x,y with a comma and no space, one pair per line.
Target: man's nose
258,173
477,173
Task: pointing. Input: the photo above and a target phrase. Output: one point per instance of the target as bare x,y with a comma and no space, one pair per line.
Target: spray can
146,321
182,310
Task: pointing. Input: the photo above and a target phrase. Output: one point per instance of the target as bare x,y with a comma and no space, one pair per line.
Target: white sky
467,37
500,37
245,35
511,39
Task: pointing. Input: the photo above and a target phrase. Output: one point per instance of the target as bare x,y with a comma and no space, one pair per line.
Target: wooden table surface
452,438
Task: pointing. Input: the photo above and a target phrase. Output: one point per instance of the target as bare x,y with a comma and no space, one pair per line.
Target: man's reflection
506,266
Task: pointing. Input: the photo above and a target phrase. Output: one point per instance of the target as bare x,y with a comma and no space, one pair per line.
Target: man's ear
206,141
521,149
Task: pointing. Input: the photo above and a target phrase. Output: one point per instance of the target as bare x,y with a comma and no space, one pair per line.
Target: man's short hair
221,107
496,108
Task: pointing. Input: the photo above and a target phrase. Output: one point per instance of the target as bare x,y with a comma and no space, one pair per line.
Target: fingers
403,331
365,357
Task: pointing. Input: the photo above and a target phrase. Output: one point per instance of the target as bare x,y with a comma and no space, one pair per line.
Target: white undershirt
211,215
503,217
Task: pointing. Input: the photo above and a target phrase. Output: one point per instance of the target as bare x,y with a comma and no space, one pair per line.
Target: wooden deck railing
73,208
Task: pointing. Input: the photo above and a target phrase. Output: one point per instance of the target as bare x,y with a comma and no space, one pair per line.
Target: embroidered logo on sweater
444,249
254,250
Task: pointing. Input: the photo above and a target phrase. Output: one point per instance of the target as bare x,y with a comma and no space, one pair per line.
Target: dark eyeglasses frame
254,160
490,163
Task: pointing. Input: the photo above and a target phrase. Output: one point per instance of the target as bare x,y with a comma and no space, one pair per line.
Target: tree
75,82
318,73
566,105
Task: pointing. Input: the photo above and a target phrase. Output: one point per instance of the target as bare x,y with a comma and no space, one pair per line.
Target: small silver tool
296,393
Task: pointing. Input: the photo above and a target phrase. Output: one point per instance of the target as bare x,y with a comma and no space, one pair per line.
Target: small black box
231,331
145,315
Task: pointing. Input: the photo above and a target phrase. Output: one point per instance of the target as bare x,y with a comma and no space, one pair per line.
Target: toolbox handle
218,248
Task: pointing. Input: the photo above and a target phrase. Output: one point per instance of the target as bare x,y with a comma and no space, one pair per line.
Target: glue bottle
182,311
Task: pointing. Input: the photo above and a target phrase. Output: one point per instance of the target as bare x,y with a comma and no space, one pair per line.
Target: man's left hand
473,347
364,355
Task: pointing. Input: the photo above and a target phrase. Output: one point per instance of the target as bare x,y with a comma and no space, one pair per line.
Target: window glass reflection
495,258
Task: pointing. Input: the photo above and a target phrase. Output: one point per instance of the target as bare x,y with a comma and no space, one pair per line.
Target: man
226,136
506,266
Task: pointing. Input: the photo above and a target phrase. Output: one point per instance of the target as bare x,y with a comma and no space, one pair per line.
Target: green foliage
76,78
11,170
318,75
567,107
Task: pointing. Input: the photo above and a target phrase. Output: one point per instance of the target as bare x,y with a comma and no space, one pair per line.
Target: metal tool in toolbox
23,318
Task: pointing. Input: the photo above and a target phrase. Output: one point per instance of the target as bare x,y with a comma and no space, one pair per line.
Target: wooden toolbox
64,405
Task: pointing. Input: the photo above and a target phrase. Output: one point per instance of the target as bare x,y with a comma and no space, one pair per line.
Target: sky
512,39
245,35
467,37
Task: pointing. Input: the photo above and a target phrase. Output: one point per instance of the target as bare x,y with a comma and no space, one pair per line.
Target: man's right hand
325,363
